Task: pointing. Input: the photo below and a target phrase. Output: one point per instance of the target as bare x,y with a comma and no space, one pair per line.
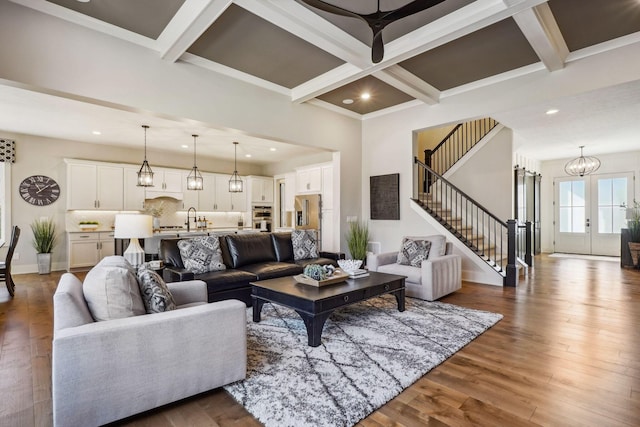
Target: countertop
173,231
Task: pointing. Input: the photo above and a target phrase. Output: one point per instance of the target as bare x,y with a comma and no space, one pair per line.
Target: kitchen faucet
188,223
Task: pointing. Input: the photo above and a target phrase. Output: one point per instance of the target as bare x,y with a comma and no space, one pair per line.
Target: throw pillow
155,293
438,244
111,290
413,252
201,254
305,244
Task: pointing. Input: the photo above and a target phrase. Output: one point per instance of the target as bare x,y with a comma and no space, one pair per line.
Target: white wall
611,163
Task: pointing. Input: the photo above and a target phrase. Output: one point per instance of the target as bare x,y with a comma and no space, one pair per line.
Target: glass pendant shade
235,183
582,165
194,179
145,174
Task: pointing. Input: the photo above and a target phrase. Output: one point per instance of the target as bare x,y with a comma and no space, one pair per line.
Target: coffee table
315,304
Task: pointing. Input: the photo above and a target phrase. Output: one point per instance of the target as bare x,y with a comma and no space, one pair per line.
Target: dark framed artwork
385,196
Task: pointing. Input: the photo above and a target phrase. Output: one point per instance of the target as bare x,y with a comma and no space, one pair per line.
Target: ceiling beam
409,83
312,28
188,24
541,30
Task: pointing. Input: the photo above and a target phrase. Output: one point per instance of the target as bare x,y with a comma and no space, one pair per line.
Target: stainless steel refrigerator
308,209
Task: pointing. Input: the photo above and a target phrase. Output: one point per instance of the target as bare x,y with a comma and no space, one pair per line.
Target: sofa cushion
227,279
245,249
201,254
270,270
413,251
111,290
414,275
155,294
438,244
169,252
305,244
283,246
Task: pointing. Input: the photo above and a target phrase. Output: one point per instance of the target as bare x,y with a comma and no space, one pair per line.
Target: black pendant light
235,183
194,180
145,174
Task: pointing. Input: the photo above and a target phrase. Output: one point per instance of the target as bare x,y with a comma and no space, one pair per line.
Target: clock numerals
39,190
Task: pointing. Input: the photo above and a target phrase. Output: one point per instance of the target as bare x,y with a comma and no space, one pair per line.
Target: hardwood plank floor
565,354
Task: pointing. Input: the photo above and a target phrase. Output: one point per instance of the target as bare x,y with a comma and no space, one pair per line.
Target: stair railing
457,143
492,239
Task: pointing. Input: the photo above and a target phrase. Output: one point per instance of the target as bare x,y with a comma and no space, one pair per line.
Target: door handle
587,222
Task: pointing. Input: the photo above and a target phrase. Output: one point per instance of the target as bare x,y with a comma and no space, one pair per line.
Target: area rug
370,352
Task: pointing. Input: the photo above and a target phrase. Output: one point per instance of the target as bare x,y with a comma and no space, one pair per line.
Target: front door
590,211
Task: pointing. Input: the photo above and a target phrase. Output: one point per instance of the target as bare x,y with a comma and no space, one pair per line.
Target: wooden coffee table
315,304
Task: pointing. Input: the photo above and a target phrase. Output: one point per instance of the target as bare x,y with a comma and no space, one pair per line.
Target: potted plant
156,211
633,224
44,239
357,240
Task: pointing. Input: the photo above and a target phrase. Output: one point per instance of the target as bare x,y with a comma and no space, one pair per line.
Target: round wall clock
39,190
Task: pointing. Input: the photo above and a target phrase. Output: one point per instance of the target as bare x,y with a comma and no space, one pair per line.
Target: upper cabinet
309,180
260,189
133,195
93,186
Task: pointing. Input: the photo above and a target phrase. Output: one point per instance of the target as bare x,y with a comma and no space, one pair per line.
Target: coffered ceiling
313,56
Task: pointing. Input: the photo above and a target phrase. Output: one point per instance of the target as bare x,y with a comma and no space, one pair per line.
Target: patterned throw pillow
413,252
305,244
201,254
155,293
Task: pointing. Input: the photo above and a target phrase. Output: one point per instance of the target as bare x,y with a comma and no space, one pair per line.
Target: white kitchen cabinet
239,200
222,201
133,195
168,180
94,186
87,249
309,180
192,198
260,189
327,187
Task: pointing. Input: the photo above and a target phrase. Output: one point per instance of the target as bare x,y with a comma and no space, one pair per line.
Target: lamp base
134,253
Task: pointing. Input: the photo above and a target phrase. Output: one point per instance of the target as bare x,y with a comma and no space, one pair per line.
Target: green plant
357,239
633,223
44,235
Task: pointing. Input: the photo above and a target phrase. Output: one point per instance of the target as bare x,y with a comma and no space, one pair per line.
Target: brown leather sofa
248,258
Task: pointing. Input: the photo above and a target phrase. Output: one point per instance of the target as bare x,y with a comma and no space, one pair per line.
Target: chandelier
582,165
235,183
145,174
194,180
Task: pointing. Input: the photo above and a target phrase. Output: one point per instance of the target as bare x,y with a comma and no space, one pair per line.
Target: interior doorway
589,212
527,204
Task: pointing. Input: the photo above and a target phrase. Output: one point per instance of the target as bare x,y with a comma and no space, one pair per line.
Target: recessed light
347,101
365,95
96,132
272,149
184,146
552,111
247,155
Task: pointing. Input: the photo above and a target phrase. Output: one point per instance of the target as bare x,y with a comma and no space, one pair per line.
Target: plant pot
156,223
634,248
44,263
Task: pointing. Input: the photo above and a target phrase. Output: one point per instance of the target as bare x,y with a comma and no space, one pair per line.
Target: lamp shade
128,226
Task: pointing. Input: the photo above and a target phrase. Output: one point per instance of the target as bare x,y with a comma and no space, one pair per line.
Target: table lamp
133,227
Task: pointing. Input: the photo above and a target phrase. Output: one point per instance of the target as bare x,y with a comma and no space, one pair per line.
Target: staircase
493,240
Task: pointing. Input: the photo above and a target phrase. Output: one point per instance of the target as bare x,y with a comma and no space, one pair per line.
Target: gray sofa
108,370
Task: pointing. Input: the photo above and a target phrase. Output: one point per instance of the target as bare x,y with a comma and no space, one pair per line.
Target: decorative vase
44,263
156,223
634,248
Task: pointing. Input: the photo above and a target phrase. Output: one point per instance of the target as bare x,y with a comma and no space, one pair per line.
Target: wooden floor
565,354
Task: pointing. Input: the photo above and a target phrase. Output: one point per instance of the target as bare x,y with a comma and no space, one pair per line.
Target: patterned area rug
370,352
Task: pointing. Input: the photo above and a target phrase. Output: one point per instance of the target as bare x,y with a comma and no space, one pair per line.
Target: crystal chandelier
145,174
582,165
194,180
235,183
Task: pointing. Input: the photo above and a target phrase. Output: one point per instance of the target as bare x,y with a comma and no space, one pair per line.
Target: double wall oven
261,217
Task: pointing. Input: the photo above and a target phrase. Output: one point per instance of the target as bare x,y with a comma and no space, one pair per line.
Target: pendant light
194,180
145,174
235,183
582,165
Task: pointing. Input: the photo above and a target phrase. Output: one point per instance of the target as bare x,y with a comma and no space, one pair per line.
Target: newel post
512,268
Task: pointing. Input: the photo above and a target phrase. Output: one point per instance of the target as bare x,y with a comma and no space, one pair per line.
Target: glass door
590,211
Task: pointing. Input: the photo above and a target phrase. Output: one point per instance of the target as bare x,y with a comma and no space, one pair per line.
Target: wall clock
39,190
